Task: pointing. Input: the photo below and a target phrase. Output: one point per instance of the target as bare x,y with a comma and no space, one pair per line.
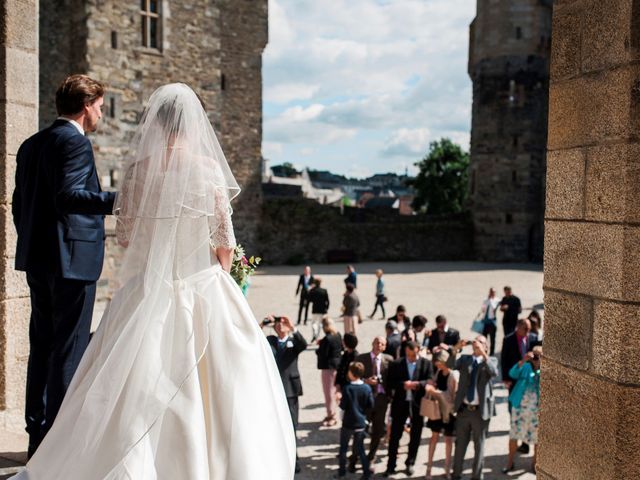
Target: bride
178,381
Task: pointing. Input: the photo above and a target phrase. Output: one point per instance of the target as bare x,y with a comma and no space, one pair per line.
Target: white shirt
494,302
74,123
476,398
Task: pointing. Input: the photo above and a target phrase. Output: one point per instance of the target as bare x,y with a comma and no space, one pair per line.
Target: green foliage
442,183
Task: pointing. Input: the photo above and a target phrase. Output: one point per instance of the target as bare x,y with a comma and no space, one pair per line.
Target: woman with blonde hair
329,353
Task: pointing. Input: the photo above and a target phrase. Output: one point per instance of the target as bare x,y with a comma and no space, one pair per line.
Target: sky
363,86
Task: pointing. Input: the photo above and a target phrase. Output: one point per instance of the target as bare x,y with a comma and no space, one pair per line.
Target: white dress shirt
476,398
74,123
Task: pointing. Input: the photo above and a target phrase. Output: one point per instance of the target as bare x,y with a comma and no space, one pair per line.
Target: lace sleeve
124,224
220,224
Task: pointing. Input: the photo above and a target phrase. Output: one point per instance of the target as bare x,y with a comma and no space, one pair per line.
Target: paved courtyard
429,288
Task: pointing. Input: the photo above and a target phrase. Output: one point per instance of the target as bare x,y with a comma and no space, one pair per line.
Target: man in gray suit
376,363
475,405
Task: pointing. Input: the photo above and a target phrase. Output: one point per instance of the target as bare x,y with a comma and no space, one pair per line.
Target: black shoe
351,468
388,473
297,470
524,448
410,470
506,470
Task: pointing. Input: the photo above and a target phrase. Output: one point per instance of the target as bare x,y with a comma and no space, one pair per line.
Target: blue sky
362,86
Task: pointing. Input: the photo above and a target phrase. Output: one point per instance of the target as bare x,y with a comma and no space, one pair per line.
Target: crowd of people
414,376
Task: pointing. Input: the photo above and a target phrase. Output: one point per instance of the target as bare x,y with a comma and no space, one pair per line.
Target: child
356,400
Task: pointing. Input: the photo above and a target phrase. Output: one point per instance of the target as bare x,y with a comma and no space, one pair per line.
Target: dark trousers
379,303
470,426
509,326
358,446
304,305
490,332
293,410
399,414
377,417
61,311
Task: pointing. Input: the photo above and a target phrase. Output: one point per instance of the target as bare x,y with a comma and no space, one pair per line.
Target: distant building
509,66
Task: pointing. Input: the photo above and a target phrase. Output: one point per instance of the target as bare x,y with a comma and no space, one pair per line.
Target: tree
442,183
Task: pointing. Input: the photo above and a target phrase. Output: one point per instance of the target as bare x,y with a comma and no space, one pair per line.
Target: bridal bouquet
242,267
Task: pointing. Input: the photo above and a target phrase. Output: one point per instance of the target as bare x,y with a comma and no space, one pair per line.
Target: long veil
129,389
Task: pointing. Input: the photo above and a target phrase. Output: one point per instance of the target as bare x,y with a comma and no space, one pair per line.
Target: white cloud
271,149
362,67
407,142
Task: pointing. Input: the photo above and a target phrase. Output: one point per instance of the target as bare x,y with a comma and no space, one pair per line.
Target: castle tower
509,65
214,46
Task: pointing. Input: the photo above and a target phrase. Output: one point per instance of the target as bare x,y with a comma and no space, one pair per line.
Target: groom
58,210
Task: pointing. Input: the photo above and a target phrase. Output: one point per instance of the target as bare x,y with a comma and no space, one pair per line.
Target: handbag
430,408
478,326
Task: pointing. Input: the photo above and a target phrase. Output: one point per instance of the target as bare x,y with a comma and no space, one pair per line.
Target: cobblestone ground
453,289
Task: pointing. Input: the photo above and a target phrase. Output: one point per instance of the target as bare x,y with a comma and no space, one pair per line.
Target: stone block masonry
590,389
508,64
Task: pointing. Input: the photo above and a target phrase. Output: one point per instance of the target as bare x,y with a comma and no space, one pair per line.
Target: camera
268,321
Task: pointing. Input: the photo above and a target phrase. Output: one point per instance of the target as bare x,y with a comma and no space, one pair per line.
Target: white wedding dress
178,381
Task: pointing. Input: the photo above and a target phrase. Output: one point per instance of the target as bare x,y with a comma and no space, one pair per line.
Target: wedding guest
376,364
475,404
355,402
525,402
406,381
511,307
401,317
304,285
489,307
287,345
444,390
380,296
443,336
408,335
349,354
352,277
350,305
536,323
319,299
514,348
394,339
329,352
419,325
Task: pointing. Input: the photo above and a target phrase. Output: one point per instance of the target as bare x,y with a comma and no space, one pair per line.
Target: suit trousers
61,313
399,414
304,305
470,426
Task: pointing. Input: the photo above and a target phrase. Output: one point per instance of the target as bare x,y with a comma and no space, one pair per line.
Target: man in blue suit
58,210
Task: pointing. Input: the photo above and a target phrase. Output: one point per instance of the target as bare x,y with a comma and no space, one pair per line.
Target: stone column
18,120
591,377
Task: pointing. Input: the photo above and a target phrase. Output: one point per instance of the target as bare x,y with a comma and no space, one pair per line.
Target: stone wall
244,35
590,381
508,63
213,46
302,231
18,120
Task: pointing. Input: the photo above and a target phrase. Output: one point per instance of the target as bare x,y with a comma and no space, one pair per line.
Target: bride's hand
225,257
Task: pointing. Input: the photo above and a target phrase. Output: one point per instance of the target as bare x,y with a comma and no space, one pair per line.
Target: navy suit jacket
58,205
